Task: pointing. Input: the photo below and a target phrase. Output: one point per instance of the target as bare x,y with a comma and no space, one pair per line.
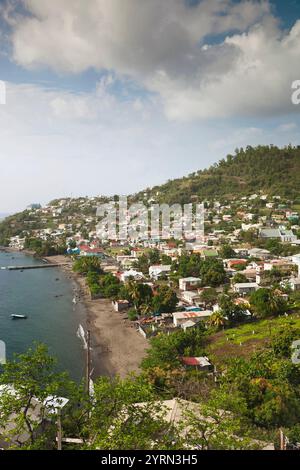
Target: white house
190,296
189,283
188,324
282,233
182,317
136,275
296,260
259,253
244,288
158,270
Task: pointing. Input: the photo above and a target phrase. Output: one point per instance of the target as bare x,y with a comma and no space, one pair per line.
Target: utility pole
59,431
88,363
282,440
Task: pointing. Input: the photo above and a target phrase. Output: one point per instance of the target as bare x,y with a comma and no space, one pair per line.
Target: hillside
270,169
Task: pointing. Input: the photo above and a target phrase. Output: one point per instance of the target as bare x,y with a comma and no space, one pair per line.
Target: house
199,363
241,251
158,270
281,233
190,297
259,253
296,261
244,288
181,317
188,324
131,274
189,283
126,261
38,413
280,264
233,263
175,411
120,305
250,274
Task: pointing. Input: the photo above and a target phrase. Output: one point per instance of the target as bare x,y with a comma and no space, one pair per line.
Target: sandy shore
117,348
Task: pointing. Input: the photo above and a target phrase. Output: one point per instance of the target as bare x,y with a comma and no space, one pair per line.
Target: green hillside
264,168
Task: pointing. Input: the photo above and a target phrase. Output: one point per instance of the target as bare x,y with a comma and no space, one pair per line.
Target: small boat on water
14,316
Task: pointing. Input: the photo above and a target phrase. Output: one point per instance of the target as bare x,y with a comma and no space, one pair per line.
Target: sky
110,97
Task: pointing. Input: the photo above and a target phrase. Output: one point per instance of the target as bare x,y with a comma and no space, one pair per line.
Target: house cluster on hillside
261,231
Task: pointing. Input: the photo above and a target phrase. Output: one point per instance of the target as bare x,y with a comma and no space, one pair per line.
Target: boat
14,316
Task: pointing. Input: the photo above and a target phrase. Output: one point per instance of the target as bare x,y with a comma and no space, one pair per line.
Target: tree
85,264
34,378
154,256
267,387
209,296
126,416
227,252
142,264
282,341
110,286
234,313
139,294
211,428
239,278
217,319
166,349
165,300
264,302
212,272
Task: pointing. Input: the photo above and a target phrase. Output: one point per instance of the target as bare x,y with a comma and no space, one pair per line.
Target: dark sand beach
117,348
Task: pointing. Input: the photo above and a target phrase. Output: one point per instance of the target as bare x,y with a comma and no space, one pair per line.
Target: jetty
33,266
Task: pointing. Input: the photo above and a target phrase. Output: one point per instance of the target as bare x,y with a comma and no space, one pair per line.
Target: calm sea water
45,296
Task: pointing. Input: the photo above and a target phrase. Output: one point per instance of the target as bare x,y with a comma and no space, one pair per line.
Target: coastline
117,348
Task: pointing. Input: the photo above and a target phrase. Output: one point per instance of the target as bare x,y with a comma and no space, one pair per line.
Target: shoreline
117,349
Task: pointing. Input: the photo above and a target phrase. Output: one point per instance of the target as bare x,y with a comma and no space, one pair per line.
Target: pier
34,266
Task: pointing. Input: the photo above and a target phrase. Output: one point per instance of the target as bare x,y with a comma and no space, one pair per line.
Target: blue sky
111,97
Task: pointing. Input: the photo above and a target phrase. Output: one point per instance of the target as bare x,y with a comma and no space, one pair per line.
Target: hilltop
270,169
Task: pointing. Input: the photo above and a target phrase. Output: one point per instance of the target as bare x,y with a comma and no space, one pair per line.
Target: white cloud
287,127
162,45
55,143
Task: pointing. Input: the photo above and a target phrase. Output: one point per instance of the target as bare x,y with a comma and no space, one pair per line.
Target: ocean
45,296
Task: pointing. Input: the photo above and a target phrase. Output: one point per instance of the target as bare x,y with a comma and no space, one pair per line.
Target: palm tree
217,319
134,293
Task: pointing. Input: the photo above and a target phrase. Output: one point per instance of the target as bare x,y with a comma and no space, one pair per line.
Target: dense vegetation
140,295
266,168
251,400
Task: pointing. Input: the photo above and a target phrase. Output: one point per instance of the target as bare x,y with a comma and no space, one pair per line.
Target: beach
117,348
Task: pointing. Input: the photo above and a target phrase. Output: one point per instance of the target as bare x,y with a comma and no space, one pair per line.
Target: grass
246,339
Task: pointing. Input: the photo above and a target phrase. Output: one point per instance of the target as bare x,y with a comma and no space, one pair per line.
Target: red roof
190,361
88,249
237,261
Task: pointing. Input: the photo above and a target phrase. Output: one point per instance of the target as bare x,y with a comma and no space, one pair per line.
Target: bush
132,314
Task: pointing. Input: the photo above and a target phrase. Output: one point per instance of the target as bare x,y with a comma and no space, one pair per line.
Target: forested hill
270,169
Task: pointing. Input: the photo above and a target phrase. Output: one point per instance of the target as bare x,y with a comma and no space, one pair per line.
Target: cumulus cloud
167,48
56,142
